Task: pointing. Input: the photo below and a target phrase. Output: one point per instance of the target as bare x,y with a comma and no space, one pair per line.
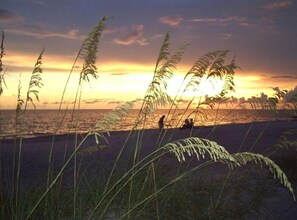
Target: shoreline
227,135
50,135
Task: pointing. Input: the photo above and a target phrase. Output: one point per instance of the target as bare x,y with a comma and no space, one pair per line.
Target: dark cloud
284,77
8,16
57,103
134,37
93,101
119,74
171,20
114,102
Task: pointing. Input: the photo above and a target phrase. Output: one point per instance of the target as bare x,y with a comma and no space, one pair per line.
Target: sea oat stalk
2,53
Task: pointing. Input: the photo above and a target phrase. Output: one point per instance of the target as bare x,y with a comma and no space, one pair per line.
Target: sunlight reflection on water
42,122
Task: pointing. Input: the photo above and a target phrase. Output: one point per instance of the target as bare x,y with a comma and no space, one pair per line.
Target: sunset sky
261,34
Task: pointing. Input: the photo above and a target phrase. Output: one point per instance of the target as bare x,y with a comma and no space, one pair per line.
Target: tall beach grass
138,184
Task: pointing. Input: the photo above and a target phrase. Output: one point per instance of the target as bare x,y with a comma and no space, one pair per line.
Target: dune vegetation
138,185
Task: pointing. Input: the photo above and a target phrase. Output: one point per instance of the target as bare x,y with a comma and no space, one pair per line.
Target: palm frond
35,81
245,157
89,50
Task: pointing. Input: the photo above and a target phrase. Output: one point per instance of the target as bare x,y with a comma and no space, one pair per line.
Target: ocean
44,122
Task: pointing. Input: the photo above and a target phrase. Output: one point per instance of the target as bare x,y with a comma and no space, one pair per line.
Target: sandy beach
255,137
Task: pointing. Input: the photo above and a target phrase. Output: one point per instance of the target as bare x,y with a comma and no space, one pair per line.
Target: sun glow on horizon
208,86
211,86
118,82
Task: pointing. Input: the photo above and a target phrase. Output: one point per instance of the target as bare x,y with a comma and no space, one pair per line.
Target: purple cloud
134,37
278,4
39,2
8,16
171,20
38,31
240,20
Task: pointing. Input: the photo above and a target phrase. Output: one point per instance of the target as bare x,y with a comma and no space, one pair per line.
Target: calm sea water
43,122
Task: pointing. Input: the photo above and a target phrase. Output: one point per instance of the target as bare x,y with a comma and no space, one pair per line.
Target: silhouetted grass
140,186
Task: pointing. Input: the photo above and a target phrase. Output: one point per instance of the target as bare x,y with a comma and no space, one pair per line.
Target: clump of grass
34,84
